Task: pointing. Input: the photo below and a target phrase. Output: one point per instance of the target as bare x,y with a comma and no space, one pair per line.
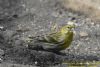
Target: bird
54,42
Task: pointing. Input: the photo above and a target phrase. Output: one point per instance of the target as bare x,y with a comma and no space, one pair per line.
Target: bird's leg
59,53
56,52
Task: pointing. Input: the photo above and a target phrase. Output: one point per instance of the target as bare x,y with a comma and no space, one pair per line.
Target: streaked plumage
55,41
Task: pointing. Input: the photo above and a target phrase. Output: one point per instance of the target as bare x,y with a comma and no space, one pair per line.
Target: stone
83,34
8,8
1,52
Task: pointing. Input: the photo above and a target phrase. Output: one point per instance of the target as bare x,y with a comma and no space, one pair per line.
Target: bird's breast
67,41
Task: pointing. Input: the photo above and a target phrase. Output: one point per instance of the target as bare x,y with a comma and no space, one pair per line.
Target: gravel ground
36,18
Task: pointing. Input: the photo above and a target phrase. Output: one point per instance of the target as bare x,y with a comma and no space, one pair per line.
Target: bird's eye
68,27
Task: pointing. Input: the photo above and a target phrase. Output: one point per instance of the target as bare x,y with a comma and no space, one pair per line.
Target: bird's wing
50,38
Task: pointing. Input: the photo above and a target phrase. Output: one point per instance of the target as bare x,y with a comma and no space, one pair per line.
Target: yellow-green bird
57,41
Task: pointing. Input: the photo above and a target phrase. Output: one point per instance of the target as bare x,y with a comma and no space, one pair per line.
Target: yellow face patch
67,28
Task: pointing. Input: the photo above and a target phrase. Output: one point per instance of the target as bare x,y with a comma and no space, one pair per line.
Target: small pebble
1,60
36,62
1,52
2,28
83,34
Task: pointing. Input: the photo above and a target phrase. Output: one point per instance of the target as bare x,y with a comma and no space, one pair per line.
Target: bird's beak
73,26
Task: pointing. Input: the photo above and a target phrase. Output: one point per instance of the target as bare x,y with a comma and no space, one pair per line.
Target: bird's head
67,28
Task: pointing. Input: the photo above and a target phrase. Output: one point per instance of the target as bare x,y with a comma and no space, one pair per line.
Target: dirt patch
37,20
90,8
